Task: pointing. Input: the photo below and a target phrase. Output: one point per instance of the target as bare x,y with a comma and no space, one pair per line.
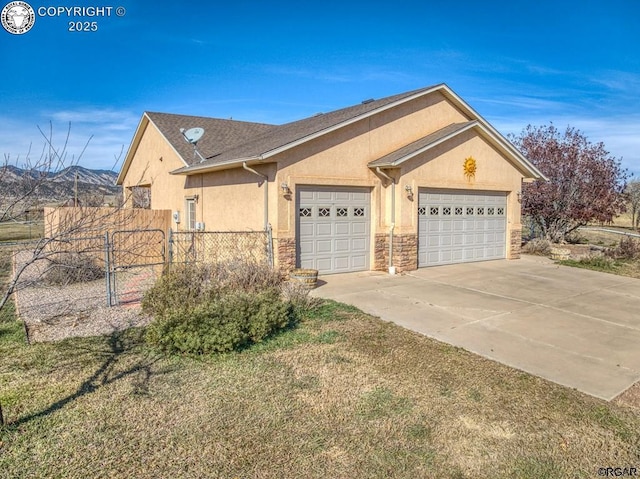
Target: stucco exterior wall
154,159
341,158
442,167
233,200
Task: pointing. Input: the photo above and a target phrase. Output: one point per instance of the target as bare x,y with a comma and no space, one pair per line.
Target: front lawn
344,395
622,267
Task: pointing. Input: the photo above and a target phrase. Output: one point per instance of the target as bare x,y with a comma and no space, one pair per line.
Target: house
411,180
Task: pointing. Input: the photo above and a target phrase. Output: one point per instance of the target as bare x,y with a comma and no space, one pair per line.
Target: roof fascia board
435,143
137,137
235,163
355,119
485,132
494,133
133,147
169,143
500,141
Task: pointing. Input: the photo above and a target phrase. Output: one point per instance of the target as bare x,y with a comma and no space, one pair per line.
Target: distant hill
60,185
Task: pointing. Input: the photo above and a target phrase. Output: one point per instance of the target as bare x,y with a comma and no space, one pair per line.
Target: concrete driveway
572,326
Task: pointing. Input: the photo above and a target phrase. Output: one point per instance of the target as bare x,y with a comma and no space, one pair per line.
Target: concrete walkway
572,326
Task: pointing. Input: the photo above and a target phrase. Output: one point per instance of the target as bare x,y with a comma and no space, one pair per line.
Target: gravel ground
53,313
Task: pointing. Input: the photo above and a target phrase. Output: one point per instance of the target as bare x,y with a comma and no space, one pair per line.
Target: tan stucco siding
406,123
442,167
342,158
154,159
233,200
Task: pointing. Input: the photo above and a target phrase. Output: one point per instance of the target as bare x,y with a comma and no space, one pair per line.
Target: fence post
107,268
270,244
170,246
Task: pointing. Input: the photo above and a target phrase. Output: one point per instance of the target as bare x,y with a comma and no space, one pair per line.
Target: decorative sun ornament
470,168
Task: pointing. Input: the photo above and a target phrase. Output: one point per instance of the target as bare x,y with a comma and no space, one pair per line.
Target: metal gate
134,261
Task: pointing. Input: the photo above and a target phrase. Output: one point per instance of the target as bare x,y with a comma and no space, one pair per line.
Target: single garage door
456,226
333,229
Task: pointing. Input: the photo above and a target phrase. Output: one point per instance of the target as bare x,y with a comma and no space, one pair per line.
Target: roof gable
407,152
229,143
292,134
220,135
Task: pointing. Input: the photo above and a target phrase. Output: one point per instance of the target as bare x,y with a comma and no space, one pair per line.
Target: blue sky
517,63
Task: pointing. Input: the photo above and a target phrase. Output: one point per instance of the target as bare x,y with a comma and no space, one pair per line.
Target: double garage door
461,226
334,227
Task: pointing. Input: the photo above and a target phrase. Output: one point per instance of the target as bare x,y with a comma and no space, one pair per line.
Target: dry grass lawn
18,231
344,395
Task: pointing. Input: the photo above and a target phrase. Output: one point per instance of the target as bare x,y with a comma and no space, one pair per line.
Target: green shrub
246,276
190,285
180,287
229,321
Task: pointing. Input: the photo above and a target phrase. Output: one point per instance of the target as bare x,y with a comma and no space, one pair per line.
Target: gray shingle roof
282,135
409,151
228,143
220,135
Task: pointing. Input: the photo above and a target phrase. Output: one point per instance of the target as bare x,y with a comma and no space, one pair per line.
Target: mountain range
60,185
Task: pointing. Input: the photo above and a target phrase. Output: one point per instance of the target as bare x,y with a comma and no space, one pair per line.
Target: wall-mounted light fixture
519,195
285,188
409,191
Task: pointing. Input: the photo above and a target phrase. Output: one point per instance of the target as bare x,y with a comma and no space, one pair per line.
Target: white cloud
620,135
106,130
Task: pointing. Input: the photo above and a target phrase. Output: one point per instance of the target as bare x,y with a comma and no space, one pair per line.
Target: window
422,211
358,212
342,212
141,197
434,210
324,212
305,212
191,214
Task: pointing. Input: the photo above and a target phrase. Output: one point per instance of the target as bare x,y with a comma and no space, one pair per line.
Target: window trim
190,216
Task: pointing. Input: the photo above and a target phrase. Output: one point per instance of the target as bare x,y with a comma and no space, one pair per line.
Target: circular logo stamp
17,17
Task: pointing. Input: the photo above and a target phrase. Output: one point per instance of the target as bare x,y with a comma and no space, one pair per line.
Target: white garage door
457,226
333,229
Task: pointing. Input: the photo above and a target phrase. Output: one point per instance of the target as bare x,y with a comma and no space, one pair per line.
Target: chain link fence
220,246
68,286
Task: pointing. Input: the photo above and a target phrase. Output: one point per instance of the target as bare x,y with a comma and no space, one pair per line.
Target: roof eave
224,165
133,147
304,139
537,174
137,137
399,161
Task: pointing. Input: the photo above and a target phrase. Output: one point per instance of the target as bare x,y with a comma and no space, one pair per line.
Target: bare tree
67,240
24,179
633,193
585,183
